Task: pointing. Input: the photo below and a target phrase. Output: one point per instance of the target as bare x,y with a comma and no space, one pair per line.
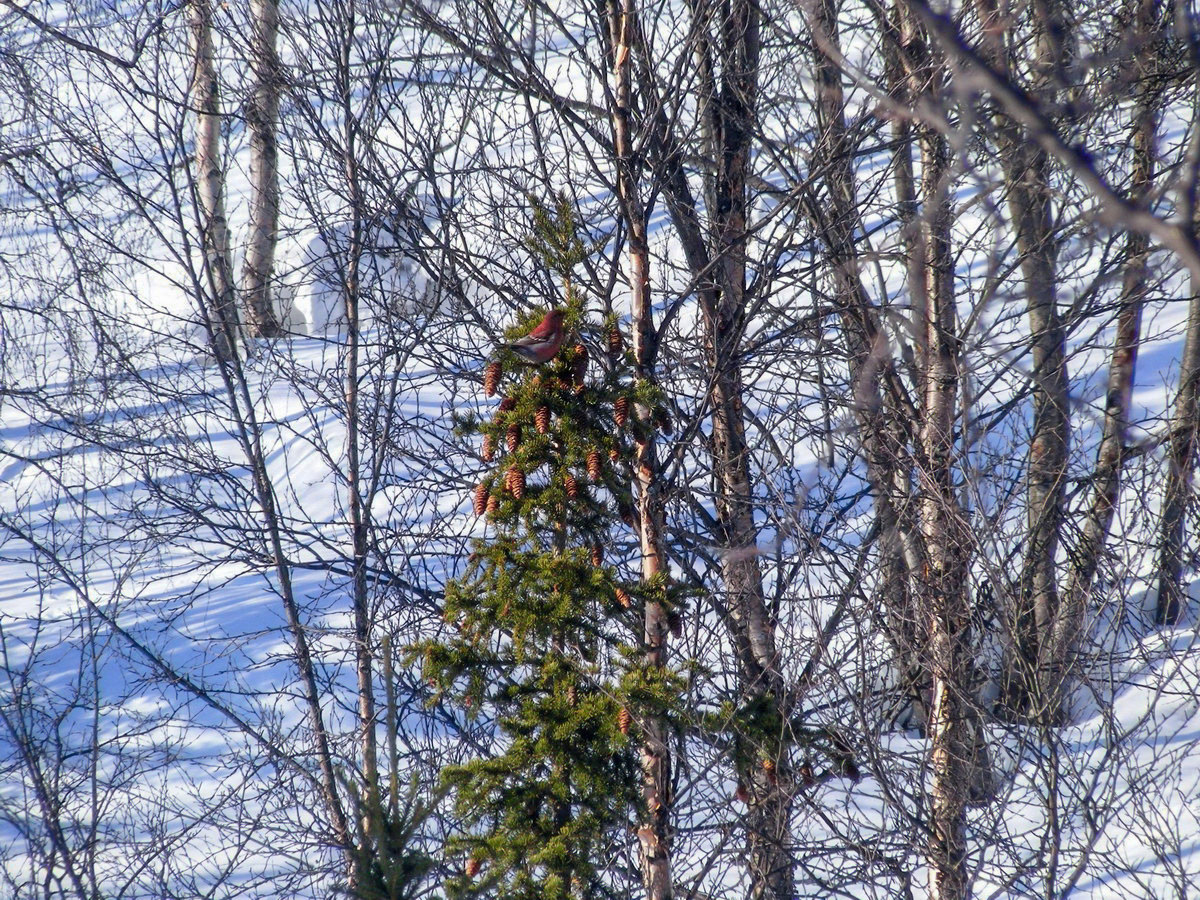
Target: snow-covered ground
157,737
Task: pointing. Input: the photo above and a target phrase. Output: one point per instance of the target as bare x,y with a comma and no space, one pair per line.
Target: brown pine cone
624,720
508,404
616,343
491,378
572,486
493,503
480,499
572,695
472,868
613,454
514,437
623,598
542,419
489,448
621,411
579,372
516,482
662,421
597,555
593,465
769,767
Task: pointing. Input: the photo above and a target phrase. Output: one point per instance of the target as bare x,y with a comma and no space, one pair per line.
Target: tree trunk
1027,180
947,546
1181,459
220,307
718,264
954,741
654,832
356,486
1110,457
262,112
878,392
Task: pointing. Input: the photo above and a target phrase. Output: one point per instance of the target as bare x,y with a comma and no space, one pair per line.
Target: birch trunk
1027,179
954,741
1182,445
220,306
731,123
357,487
732,33
716,259
262,113
1110,457
879,394
1181,459
947,541
654,831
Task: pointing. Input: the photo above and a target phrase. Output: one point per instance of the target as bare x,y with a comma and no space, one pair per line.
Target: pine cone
579,371
613,454
472,867
621,411
542,419
623,598
572,486
662,421
572,695
489,448
616,343
515,479
508,404
493,504
514,437
769,767
624,720
481,498
491,378
597,555
593,465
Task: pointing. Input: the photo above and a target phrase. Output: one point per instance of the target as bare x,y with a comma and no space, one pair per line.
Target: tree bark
728,120
262,113
654,834
878,392
954,741
356,486
1027,180
1110,457
220,307
1181,460
947,544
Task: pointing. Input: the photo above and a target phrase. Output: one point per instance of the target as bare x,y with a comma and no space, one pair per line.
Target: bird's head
550,323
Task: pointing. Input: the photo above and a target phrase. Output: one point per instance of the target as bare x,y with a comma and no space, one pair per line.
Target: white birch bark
654,835
1110,457
262,113
219,304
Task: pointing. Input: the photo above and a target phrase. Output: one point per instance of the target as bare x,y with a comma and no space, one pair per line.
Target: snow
133,556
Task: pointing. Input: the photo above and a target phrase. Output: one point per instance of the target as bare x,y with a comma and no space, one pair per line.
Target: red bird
543,343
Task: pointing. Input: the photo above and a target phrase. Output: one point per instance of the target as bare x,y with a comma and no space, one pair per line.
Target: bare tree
262,113
223,321
655,832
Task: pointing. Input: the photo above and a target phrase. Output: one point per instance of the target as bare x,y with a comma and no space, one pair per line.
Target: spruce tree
547,630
